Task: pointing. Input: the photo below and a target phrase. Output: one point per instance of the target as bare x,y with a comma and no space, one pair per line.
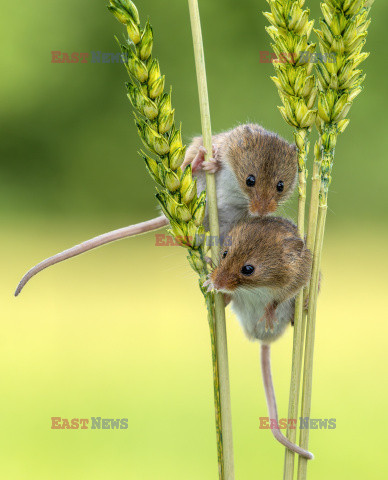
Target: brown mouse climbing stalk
263,267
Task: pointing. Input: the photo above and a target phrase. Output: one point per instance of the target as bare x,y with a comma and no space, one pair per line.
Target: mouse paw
196,164
199,163
270,316
208,284
211,166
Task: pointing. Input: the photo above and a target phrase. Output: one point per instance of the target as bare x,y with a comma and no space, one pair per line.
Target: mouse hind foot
269,316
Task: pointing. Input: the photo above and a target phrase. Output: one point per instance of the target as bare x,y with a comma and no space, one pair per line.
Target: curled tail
271,403
95,242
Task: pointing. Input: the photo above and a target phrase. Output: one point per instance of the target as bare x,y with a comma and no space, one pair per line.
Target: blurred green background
122,331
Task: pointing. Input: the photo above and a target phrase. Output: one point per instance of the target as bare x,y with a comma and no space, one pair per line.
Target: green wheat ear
342,33
290,31
154,119
177,196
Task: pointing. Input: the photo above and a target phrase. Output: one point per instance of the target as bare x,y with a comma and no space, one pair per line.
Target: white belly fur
249,306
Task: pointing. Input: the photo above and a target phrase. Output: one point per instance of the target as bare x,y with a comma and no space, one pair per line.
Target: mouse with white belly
255,171
262,269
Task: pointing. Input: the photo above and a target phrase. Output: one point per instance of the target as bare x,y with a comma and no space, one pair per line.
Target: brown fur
251,150
272,245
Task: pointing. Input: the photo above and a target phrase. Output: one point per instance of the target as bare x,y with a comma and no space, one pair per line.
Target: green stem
293,404
324,159
297,351
219,307
314,200
216,387
310,332
302,201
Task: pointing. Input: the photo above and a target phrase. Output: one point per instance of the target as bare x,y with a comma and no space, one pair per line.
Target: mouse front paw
212,165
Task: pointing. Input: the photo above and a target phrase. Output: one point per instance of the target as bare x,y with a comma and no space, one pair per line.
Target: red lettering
264,57
160,240
84,422
66,424
55,422
55,57
264,422
283,423
169,241
75,423
274,424
179,240
84,57
292,423
65,58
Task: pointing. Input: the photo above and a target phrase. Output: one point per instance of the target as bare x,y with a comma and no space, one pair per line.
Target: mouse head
262,252
265,165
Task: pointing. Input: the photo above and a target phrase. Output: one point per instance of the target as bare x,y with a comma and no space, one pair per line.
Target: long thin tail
271,403
95,242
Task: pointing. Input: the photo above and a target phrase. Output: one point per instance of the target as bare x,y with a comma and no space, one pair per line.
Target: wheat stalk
343,32
177,194
341,39
227,470
290,30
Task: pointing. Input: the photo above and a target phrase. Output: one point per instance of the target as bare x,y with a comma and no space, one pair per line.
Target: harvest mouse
255,171
261,271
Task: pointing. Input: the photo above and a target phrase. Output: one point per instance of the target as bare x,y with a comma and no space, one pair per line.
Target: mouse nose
261,207
223,281
217,282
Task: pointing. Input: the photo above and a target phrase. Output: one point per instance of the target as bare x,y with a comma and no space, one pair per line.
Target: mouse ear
294,246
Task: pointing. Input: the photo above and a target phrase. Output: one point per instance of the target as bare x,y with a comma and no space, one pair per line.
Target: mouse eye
280,186
247,270
251,180
225,254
